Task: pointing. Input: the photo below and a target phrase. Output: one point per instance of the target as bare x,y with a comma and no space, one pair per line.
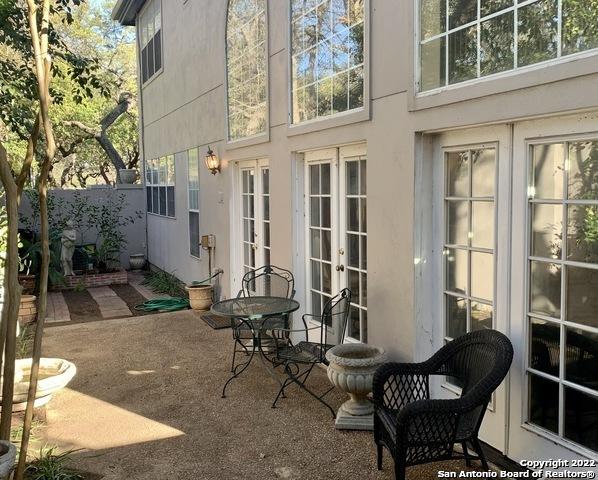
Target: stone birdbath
351,369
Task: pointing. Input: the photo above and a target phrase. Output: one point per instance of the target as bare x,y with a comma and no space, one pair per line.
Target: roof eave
125,11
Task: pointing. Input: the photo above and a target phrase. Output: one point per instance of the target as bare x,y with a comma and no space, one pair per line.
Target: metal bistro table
254,312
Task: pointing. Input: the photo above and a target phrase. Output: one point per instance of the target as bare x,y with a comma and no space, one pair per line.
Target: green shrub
164,282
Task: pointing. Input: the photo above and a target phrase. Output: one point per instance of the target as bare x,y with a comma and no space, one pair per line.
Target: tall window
246,59
159,179
193,191
150,27
465,39
563,305
327,43
469,241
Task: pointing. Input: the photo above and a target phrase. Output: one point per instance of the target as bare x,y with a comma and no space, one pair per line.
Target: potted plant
127,176
137,261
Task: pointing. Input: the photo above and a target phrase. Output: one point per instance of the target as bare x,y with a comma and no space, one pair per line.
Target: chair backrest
336,314
480,360
269,281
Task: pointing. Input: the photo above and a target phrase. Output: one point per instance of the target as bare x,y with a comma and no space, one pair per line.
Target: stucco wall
135,201
184,107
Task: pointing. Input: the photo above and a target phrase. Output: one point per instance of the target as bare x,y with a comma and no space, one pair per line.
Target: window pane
326,245
246,68
194,247
483,172
163,209
497,44
481,316
582,233
580,27
581,418
548,163
582,358
315,243
482,276
353,250
545,289
433,17
583,170
456,316
582,300
352,178
538,32
148,192
547,230
488,7
326,277
462,12
156,200
458,174
433,64
545,349
457,222
354,327
463,56
482,224
170,201
158,51
356,88
544,403
456,270
325,178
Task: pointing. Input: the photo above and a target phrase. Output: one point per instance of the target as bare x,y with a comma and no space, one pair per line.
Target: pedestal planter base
346,421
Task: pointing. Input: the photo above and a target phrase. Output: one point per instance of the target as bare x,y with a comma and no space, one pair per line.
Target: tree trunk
44,75
8,330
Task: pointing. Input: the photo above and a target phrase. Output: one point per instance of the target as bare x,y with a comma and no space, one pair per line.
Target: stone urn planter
351,369
137,261
127,175
200,296
8,454
27,310
54,374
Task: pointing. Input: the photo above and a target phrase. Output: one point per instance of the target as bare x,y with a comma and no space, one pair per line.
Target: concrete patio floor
145,404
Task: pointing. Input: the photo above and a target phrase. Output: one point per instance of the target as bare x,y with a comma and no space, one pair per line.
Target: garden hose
163,305
207,280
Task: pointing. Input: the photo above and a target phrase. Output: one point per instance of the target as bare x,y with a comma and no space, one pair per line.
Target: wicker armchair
416,429
298,359
268,281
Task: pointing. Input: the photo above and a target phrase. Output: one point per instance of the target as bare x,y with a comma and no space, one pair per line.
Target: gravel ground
145,404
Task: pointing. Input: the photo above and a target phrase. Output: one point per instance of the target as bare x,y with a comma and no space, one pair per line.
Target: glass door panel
336,230
562,366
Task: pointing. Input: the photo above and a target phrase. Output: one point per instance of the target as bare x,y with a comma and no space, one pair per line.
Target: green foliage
31,257
164,282
25,341
51,466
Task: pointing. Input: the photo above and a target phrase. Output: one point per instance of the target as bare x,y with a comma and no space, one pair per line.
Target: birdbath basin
351,369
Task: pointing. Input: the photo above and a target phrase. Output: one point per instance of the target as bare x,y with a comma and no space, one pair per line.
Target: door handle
340,268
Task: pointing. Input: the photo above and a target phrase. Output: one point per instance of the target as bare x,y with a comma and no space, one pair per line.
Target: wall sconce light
212,162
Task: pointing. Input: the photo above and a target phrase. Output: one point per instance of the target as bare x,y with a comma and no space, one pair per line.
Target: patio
145,404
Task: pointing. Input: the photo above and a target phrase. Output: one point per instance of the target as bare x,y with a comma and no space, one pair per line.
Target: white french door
252,214
471,200
554,385
336,233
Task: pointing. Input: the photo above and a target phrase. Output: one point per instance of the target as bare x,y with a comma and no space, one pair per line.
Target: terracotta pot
27,309
28,283
200,296
137,261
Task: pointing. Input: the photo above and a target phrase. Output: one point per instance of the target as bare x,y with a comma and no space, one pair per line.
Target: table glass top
255,308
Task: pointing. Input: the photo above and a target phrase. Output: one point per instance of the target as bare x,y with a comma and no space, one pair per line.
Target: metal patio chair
298,359
269,281
416,429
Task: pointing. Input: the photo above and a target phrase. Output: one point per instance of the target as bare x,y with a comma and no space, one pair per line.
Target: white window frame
149,5
166,183
443,268
196,192
339,119
559,59
262,136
